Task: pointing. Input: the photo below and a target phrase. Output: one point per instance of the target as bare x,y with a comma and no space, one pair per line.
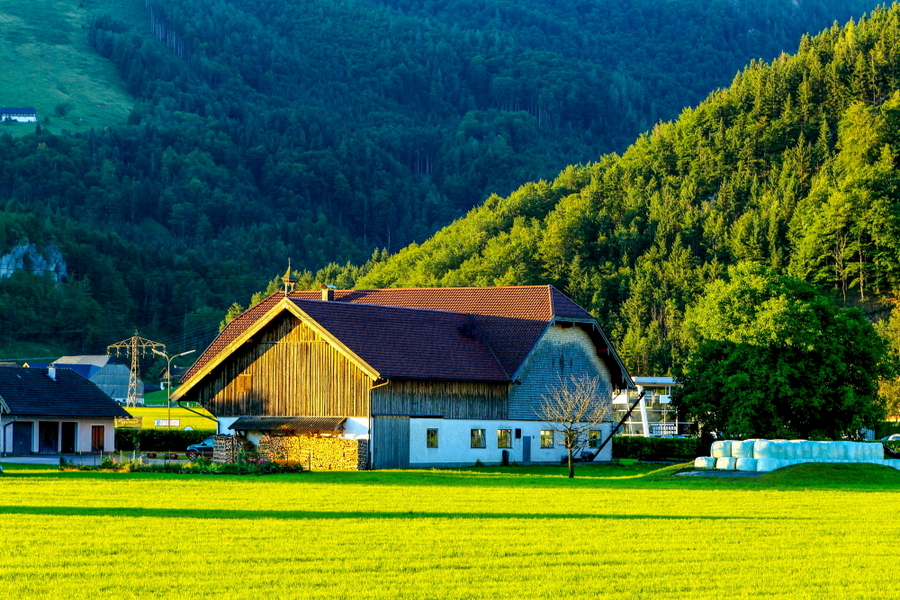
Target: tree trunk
571,464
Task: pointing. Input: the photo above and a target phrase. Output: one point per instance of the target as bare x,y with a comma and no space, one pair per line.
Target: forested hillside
793,166
323,129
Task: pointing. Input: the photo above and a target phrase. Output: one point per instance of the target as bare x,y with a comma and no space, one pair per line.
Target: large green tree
773,357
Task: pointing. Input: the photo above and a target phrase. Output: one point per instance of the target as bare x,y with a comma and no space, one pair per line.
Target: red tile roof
426,343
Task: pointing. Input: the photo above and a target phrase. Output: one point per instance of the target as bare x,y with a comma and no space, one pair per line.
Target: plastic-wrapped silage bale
819,451
763,449
767,464
745,464
743,449
835,451
721,449
726,463
705,462
874,451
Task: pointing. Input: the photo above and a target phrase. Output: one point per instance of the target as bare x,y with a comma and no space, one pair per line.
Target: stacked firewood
227,447
316,453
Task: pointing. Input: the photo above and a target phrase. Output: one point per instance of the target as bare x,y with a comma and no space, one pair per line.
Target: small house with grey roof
53,411
421,376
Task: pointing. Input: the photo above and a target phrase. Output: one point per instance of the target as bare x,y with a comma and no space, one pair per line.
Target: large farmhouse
407,377
49,411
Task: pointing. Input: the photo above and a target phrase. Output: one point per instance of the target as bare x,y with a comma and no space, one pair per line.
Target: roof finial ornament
289,280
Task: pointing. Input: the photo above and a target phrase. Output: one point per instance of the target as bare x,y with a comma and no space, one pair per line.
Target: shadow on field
289,515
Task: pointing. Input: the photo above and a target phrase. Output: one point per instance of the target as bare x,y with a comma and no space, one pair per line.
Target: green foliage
774,358
659,449
320,130
432,523
158,440
793,166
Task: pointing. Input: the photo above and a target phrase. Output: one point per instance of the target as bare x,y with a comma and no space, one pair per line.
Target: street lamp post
169,382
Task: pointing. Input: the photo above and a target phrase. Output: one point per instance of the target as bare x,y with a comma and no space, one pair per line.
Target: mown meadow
816,531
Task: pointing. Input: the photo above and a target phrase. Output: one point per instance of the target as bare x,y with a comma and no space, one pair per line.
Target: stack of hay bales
768,455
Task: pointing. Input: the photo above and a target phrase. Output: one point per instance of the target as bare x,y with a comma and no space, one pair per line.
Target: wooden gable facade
289,366
385,360
286,368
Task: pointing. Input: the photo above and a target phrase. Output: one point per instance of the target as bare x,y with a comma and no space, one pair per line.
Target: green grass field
47,61
816,531
186,418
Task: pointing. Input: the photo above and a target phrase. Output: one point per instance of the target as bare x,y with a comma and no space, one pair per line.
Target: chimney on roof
51,373
327,292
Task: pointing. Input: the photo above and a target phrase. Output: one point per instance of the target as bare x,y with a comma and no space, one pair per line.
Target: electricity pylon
136,347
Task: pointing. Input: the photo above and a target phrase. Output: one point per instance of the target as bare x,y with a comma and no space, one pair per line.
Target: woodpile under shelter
402,377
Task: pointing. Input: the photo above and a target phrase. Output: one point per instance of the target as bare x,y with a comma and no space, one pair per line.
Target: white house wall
562,352
82,433
454,442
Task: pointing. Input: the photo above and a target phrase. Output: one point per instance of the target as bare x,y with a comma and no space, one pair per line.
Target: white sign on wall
168,422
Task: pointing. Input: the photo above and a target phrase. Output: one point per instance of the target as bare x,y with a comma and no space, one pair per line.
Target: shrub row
675,449
156,440
886,428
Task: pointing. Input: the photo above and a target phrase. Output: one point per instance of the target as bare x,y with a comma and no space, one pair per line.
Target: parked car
204,448
894,437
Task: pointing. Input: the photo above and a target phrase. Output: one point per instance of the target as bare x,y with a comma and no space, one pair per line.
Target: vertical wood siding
449,399
287,369
390,442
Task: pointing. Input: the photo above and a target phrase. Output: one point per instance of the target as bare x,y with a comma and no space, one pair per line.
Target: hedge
654,448
159,439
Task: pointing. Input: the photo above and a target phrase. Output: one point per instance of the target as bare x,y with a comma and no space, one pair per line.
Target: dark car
204,448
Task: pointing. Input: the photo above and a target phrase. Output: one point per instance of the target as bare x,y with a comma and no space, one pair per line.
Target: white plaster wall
454,442
82,433
356,428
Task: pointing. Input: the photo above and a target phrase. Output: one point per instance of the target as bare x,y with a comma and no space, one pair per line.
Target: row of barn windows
478,438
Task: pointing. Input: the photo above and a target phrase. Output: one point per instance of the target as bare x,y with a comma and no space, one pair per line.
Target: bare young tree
573,408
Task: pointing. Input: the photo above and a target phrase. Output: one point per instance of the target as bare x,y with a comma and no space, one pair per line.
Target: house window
243,382
593,438
478,439
504,438
546,438
431,438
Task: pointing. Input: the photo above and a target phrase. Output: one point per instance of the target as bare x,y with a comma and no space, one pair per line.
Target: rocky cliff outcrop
27,257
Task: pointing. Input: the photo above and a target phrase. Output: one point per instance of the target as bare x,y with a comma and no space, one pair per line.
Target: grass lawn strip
449,534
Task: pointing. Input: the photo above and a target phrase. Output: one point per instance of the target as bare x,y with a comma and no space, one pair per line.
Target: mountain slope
319,130
794,165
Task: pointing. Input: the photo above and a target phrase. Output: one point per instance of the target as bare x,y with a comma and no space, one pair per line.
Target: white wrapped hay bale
705,462
819,451
874,451
745,464
802,449
767,464
726,463
763,449
742,449
721,449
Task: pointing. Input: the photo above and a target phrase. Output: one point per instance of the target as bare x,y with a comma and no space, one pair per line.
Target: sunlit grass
186,418
804,532
47,61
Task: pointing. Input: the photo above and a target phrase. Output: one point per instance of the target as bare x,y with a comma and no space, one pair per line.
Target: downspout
645,422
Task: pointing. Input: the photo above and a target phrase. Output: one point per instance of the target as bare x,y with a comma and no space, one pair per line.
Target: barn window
478,439
243,382
504,438
431,438
593,438
546,438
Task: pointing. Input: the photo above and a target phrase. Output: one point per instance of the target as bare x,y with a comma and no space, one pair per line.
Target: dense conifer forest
323,130
793,166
